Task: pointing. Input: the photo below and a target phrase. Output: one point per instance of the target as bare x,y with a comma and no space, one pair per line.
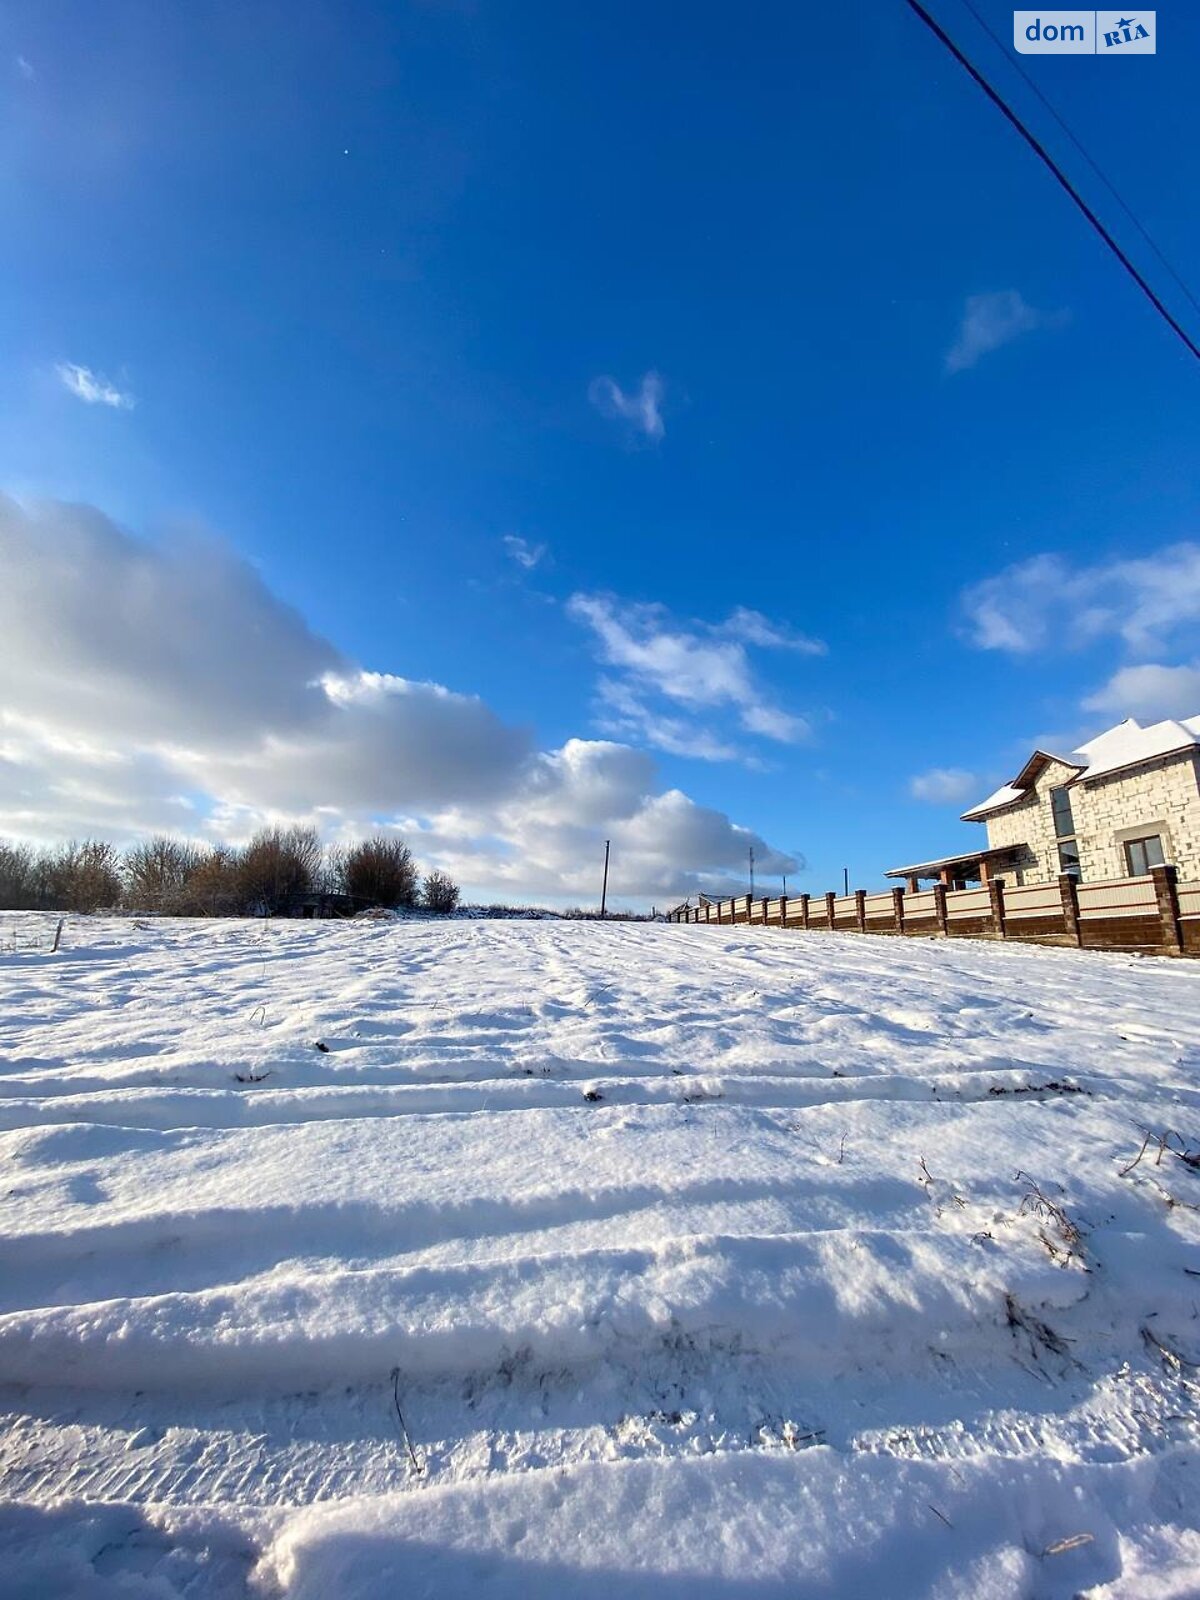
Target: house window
1142,854
1064,822
1068,859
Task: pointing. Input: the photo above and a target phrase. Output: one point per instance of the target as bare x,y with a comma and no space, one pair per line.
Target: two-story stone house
1126,801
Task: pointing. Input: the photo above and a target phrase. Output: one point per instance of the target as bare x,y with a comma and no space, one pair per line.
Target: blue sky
730,389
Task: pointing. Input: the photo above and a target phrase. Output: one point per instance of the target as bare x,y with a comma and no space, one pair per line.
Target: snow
1129,744
643,1259
1006,795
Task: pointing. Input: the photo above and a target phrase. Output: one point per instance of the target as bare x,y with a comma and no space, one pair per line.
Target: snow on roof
1126,745
1005,795
1129,744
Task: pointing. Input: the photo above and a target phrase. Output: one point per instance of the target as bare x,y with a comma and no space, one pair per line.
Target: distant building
1124,802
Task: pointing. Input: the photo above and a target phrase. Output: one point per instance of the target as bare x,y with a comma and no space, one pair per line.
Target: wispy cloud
91,388
624,712
990,321
641,408
1047,602
943,786
699,668
753,628
522,552
25,68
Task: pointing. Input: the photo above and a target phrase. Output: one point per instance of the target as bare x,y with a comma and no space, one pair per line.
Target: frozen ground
697,1263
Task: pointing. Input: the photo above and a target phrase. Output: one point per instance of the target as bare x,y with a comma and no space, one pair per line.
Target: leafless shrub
83,876
20,884
157,873
214,885
439,893
379,872
278,864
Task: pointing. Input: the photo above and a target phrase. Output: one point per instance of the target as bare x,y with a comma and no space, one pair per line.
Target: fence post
783,911
1166,880
829,899
1070,907
939,905
996,891
804,900
860,909
898,909
748,904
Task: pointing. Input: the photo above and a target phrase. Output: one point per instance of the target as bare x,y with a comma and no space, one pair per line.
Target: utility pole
845,880
785,886
604,891
751,871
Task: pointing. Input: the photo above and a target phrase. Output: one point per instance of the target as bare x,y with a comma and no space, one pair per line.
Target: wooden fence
1156,914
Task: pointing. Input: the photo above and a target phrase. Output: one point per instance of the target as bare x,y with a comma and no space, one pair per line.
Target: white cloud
754,628
699,668
1045,601
25,68
992,320
522,552
94,390
165,686
642,409
943,786
1149,693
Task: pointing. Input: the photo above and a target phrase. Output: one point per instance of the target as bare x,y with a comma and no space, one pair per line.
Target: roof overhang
932,869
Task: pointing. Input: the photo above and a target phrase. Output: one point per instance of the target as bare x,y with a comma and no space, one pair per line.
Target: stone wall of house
1031,823
1161,797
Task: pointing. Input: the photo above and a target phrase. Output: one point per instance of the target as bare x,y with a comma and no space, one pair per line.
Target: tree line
173,877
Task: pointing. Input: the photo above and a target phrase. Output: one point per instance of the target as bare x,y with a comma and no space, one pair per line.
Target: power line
1044,155
1033,84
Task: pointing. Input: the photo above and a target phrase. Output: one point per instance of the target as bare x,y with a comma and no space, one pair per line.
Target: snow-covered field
367,1261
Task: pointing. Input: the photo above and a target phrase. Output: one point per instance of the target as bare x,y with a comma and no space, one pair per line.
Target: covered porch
957,872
